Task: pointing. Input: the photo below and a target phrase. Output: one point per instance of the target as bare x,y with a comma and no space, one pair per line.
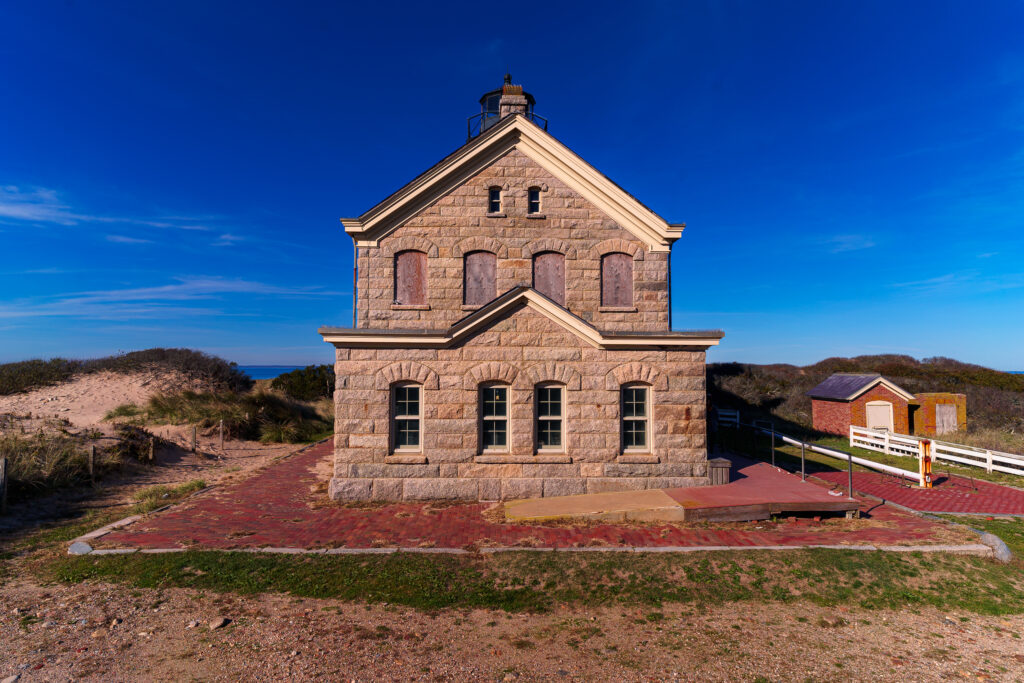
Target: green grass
155,497
1009,529
259,415
532,582
788,457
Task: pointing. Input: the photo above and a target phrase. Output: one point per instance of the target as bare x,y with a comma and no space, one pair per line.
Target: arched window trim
493,415
543,416
490,289
557,297
628,410
410,294
406,421
622,304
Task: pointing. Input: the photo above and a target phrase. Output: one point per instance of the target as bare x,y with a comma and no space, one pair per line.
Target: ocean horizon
267,371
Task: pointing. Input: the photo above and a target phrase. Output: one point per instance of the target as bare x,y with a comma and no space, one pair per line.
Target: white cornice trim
513,132
887,384
467,326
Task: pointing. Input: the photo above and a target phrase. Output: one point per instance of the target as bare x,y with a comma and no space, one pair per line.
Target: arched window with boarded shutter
549,275
479,270
411,277
617,280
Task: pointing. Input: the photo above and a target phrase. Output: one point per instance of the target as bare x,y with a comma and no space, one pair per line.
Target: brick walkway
277,507
948,494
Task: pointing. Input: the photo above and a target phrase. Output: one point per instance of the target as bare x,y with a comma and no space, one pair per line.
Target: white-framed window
636,418
550,417
494,418
533,200
406,418
494,200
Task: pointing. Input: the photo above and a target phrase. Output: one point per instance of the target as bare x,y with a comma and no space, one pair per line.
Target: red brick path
272,508
948,494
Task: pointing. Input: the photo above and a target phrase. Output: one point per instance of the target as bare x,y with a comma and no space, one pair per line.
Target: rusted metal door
410,277
549,275
479,272
617,280
945,418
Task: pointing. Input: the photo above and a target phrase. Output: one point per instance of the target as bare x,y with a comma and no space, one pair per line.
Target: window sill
617,309
405,459
495,215
410,307
506,459
535,215
471,307
638,459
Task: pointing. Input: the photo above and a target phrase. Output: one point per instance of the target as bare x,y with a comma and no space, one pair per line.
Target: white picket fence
906,445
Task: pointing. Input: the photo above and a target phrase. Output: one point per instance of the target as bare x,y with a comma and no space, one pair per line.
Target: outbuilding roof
846,386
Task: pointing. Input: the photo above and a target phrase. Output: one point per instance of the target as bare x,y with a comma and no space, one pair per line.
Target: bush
196,365
307,384
43,462
256,416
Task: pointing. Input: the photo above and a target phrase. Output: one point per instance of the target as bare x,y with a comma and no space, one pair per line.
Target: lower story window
550,418
635,418
405,424
494,418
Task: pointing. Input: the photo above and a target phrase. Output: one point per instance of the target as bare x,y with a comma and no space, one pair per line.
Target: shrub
254,416
216,372
308,383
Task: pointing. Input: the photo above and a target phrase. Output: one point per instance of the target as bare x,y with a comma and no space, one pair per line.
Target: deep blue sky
851,173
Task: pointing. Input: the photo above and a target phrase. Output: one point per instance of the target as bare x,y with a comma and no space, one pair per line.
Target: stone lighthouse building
512,331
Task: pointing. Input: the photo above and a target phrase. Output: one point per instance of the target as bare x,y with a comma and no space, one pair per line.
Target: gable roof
499,308
846,386
515,131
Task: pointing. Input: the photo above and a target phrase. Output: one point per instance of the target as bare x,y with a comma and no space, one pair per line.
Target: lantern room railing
478,123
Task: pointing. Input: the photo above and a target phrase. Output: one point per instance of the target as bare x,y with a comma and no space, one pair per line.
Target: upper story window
494,200
636,418
410,277
479,277
533,200
549,275
550,417
406,418
617,280
494,418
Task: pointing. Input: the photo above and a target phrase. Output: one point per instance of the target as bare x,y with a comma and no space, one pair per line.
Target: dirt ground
98,631
104,632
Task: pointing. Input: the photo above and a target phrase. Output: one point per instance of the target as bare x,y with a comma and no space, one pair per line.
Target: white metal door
879,415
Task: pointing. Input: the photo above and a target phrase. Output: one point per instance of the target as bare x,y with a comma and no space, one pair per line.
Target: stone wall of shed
458,223
522,350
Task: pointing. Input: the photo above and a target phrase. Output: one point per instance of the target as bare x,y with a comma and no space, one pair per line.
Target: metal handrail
479,119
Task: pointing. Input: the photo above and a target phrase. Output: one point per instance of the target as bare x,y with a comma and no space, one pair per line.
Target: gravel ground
105,632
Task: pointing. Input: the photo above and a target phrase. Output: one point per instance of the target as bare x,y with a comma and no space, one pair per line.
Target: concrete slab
757,491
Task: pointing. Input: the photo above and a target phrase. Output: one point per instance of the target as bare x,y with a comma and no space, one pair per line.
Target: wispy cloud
122,239
838,244
163,301
40,205
227,240
967,281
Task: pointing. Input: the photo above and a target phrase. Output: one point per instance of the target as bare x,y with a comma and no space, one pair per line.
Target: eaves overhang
505,305
517,132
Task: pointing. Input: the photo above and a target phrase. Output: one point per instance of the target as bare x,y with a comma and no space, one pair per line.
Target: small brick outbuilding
861,400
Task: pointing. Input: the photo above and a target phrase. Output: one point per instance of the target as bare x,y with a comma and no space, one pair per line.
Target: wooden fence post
3,486
152,447
222,436
773,446
92,464
195,437
803,460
